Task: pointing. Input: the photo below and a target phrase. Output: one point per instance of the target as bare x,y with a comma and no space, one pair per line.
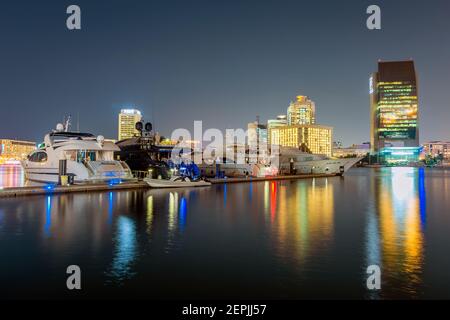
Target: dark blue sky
223,62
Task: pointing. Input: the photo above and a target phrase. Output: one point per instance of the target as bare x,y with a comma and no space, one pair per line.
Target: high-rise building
127,123
15,149
280,121
316,139
394,107
301,111
257,134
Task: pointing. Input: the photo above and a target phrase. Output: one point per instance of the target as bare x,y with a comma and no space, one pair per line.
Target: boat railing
140,175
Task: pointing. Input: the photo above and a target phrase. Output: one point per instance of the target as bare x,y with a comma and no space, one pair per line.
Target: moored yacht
89,158
306,163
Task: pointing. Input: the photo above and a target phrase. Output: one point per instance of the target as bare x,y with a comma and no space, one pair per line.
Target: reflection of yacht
89,158
306,163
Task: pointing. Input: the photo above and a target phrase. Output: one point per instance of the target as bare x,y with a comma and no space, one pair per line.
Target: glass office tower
394,113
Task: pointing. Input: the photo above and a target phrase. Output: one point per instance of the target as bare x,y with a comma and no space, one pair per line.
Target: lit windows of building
355,150
437,149
316,138
257,134
127,123
15,149
301,111
394,112
280,121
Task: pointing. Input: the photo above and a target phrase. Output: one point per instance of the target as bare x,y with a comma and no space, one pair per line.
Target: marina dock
274,178
50,189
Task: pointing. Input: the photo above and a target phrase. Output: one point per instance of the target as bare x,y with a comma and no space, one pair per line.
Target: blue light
225,194
114,182
183,211
110,208
49,187
125,250
48,216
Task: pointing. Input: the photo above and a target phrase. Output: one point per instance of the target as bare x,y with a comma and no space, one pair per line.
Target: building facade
394,107
280,121
127,122
257,134
15,149
316,139
356,150
437,149
302,111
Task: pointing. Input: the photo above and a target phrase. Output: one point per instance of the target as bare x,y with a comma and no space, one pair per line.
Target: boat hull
326,166
161,183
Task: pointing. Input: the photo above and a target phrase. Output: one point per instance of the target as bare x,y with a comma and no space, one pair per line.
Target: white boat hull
327,166
162,183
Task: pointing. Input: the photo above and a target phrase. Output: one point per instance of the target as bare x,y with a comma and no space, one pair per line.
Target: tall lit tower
301,111
394,107
127,123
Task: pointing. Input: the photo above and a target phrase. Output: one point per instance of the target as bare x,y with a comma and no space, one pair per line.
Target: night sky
223,62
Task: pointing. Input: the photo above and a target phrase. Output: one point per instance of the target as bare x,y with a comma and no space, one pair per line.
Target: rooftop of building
389,71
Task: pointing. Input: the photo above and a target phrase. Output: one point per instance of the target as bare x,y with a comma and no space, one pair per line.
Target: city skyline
135,58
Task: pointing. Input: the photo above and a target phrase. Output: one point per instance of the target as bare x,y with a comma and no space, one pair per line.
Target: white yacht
306,163
228,167
89,159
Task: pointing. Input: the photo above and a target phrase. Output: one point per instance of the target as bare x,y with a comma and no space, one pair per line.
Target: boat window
38,157
42,156
71,155
86,155
34,157
105,155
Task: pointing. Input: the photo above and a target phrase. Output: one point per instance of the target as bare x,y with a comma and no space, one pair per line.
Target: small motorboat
176,182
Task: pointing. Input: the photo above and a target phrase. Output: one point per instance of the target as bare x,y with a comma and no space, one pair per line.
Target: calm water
290,239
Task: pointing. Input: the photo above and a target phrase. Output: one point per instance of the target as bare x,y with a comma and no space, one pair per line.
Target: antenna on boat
78,121
67,124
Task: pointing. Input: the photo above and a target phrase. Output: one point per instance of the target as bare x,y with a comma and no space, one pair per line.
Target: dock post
62,170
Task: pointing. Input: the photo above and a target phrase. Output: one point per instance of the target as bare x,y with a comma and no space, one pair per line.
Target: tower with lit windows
394,107
127,123
302,111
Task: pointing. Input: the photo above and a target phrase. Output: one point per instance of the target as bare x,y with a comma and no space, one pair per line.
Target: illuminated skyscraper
302,111
127,123
394,112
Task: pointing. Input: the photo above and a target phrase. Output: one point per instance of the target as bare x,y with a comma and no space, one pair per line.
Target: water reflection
149,218
48,216
395,227
302,218
110,207
257,240
11,176
125,250
183,212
